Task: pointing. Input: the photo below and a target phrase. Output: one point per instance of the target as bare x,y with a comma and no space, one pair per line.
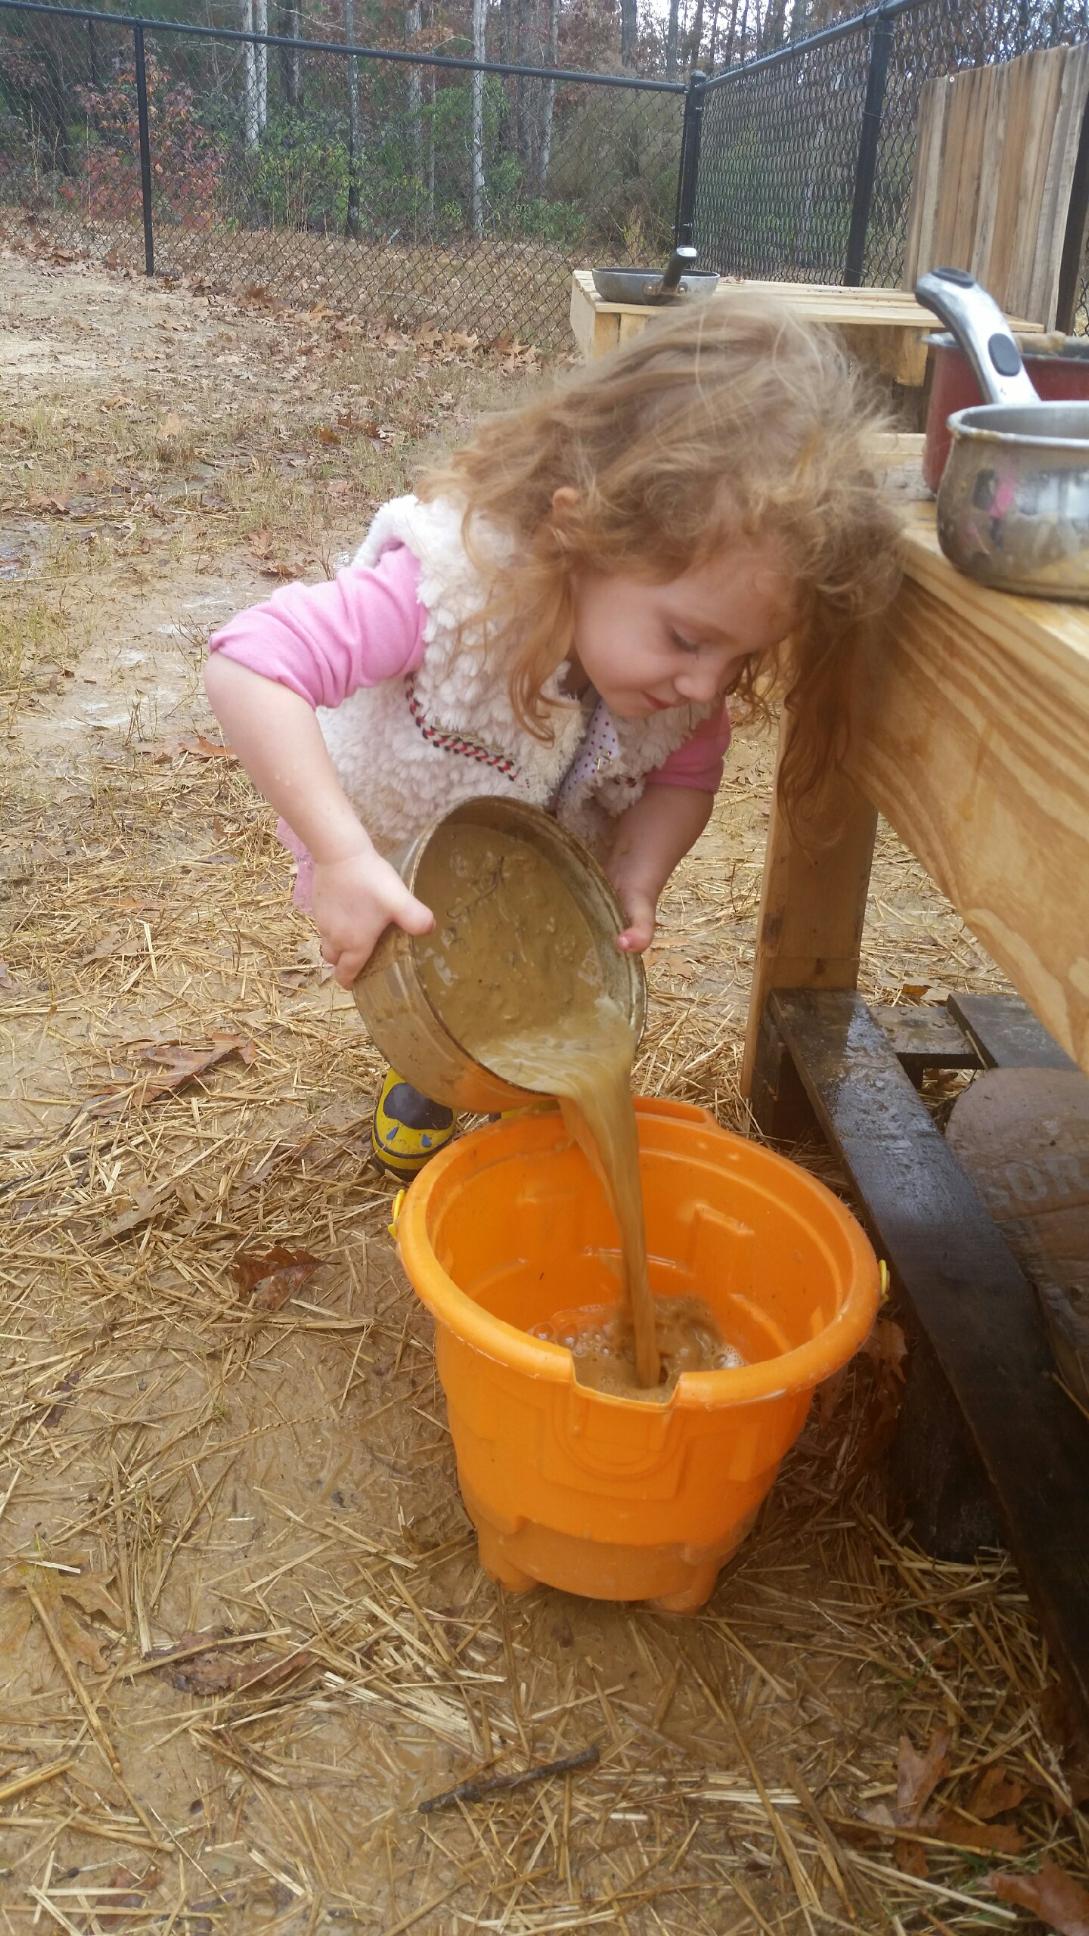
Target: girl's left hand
640,909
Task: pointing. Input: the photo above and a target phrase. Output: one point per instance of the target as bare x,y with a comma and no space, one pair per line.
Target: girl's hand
354,901
640,909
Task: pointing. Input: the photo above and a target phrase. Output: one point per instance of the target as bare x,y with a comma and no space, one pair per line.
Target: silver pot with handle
1013,504
646,286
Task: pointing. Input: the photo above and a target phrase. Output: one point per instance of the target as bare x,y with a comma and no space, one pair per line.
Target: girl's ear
564,504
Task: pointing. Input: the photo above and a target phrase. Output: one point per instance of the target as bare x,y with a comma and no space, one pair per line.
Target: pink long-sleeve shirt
326,641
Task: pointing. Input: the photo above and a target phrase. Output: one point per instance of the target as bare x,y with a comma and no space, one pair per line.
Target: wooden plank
1006,1033
970,732
993,182
925,1036
970,1298
812,900
1058,198
926,179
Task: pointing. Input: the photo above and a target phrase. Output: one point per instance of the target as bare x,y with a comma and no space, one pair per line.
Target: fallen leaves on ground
60,1593
1052,1895
269,1278
214,1671
179,1064
197,745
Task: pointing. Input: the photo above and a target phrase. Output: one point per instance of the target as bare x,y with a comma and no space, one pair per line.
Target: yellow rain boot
407,1128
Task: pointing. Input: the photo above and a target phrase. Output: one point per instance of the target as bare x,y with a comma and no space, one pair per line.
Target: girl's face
645,647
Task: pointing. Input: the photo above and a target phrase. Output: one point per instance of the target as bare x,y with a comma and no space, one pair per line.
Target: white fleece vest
408,750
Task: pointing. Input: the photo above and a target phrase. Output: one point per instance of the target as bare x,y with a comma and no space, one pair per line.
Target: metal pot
646,286
389,993
1057,364
1013,505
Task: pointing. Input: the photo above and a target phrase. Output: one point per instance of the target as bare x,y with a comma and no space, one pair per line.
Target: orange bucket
621,1498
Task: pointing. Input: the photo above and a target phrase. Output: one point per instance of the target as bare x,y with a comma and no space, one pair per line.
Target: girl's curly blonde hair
723,420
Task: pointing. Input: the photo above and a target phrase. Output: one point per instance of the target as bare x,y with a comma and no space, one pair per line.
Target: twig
477,1787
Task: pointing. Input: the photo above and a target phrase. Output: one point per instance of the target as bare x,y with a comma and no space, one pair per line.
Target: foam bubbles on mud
601,1342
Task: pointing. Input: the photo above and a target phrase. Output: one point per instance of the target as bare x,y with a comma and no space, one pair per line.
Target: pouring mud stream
514,965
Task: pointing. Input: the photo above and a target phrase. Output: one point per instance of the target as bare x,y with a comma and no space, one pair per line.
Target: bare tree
476,178
629,31
413,23
290,57
260,22
250,125
548,104
695,38
355,133
673,34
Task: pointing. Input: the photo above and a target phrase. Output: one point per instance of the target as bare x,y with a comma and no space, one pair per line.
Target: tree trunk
672,38
250,125
629,31
712,45
413,23
548,103
260,22
799,17
774,27
695,38
731,38
476,158
290,58
355,140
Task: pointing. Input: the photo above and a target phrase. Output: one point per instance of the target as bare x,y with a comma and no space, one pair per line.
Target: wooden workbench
885,327
971,736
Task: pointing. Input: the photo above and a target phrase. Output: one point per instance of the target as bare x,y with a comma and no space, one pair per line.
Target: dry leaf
996,1792
1052,1895
180,1065
917,1776
172,428
327,435
204,749
269,1278
216,1673
999,1838
887,1347
84,1590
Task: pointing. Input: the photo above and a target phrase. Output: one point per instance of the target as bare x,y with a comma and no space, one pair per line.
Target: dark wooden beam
1006,1033
975,1310
924,1037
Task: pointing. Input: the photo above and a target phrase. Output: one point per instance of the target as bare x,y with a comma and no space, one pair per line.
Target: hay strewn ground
243,1631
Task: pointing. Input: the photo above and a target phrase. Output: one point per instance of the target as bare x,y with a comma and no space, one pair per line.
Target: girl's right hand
354,901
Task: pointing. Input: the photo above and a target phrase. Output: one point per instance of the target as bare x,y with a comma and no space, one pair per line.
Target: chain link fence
435,189
786,188
415,190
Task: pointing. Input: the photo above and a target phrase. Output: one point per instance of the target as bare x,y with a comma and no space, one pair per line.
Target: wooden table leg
812,909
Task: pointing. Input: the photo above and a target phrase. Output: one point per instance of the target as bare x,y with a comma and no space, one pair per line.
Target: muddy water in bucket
515,968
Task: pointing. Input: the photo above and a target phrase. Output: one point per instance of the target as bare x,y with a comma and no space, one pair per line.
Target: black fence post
145,149
869,134
688,177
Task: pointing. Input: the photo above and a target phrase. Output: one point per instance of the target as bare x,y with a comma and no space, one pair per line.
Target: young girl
558,616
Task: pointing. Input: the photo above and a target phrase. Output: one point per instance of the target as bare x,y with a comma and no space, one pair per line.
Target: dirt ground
849,1736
